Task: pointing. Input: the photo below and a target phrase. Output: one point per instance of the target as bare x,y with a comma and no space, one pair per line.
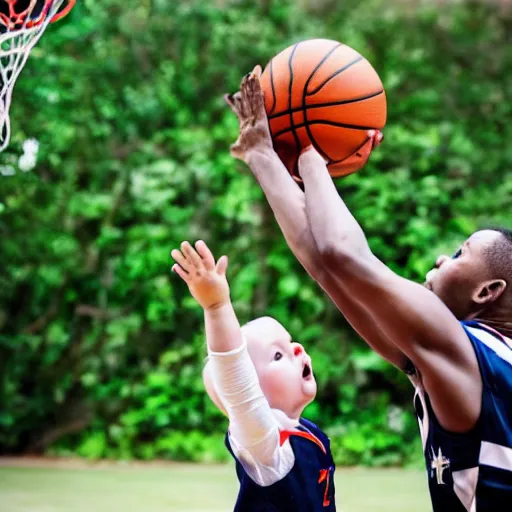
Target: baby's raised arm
252,423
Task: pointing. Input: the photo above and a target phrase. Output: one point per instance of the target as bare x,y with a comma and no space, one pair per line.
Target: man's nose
441,260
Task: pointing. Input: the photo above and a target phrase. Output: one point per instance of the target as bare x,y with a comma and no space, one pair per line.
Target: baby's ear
210,388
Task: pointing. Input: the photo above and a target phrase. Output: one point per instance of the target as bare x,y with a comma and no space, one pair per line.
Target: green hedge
101,349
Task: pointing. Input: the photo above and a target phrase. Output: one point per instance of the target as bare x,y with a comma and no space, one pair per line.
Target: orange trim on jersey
324,477
284,435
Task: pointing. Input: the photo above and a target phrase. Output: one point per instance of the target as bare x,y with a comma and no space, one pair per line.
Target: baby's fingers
193,258
178,270
206,255
222,265
181,260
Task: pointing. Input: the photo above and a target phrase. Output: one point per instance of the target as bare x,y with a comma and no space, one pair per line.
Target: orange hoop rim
65,11
16,20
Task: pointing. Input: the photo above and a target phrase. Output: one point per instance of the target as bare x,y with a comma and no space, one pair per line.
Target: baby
262,381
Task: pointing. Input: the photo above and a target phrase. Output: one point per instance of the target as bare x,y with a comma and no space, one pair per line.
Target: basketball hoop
22,23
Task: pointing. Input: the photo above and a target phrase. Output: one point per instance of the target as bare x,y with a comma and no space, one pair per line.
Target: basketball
323,93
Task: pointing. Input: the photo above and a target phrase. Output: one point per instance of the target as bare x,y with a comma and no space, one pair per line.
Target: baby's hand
206,280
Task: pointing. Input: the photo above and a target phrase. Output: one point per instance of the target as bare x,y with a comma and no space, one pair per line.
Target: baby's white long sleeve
251,420
253,425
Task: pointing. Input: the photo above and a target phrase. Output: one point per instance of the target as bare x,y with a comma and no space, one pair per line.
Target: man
449,336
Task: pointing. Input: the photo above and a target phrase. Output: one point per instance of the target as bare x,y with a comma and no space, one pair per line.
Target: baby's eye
457,254
278,356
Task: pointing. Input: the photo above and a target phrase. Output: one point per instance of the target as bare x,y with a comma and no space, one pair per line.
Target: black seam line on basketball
274,99
328,123
327,55
344,68
334,162
304,110
290,87
329,104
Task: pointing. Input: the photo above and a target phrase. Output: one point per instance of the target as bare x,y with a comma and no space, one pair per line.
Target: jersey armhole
409,368
260,473
483,368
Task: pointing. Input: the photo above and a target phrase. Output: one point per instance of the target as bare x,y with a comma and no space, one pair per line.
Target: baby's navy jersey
307,487
472,472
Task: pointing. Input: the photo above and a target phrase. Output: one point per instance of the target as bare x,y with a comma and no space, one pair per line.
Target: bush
101,348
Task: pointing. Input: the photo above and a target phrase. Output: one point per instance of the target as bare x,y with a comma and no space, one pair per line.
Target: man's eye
457,254
278,356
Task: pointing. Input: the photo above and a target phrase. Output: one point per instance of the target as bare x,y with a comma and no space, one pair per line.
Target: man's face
455,279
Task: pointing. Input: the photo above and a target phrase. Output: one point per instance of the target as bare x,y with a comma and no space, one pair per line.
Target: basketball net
19,33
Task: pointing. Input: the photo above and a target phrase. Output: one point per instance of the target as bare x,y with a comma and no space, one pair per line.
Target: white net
16,43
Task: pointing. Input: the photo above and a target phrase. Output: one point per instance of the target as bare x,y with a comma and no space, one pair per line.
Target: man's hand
249,107
310,159
206,280
359,158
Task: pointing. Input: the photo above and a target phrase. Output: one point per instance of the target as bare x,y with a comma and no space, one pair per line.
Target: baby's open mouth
306,372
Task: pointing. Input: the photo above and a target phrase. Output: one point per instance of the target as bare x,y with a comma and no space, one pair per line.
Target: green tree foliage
101,349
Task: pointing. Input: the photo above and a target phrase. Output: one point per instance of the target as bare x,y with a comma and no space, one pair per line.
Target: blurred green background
101,348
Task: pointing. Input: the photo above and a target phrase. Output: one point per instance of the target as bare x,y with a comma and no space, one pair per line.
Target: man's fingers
249,101
376,136
364,151
235,103
245,80
237,98
257,71
191,255
229,99
245,107
180,260
206,255
252,98
257,99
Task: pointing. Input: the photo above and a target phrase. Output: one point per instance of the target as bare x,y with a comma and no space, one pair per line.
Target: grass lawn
58,487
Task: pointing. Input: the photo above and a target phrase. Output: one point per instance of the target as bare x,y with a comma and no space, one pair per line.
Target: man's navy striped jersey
307,487
472,472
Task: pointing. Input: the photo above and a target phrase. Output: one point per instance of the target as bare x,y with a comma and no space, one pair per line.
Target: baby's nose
298,349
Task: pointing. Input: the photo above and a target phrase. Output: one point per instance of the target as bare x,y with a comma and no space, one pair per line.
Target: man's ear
489,291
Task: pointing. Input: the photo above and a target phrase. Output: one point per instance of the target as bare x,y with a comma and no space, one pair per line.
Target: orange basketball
323,93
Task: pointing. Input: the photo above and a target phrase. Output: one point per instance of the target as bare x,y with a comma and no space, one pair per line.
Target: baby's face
284,369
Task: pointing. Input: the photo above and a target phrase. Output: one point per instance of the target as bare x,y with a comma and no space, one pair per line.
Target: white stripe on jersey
495,455
464,485
502,350
425,422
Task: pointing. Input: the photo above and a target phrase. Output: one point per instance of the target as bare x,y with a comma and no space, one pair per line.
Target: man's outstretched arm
417,321
288,204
